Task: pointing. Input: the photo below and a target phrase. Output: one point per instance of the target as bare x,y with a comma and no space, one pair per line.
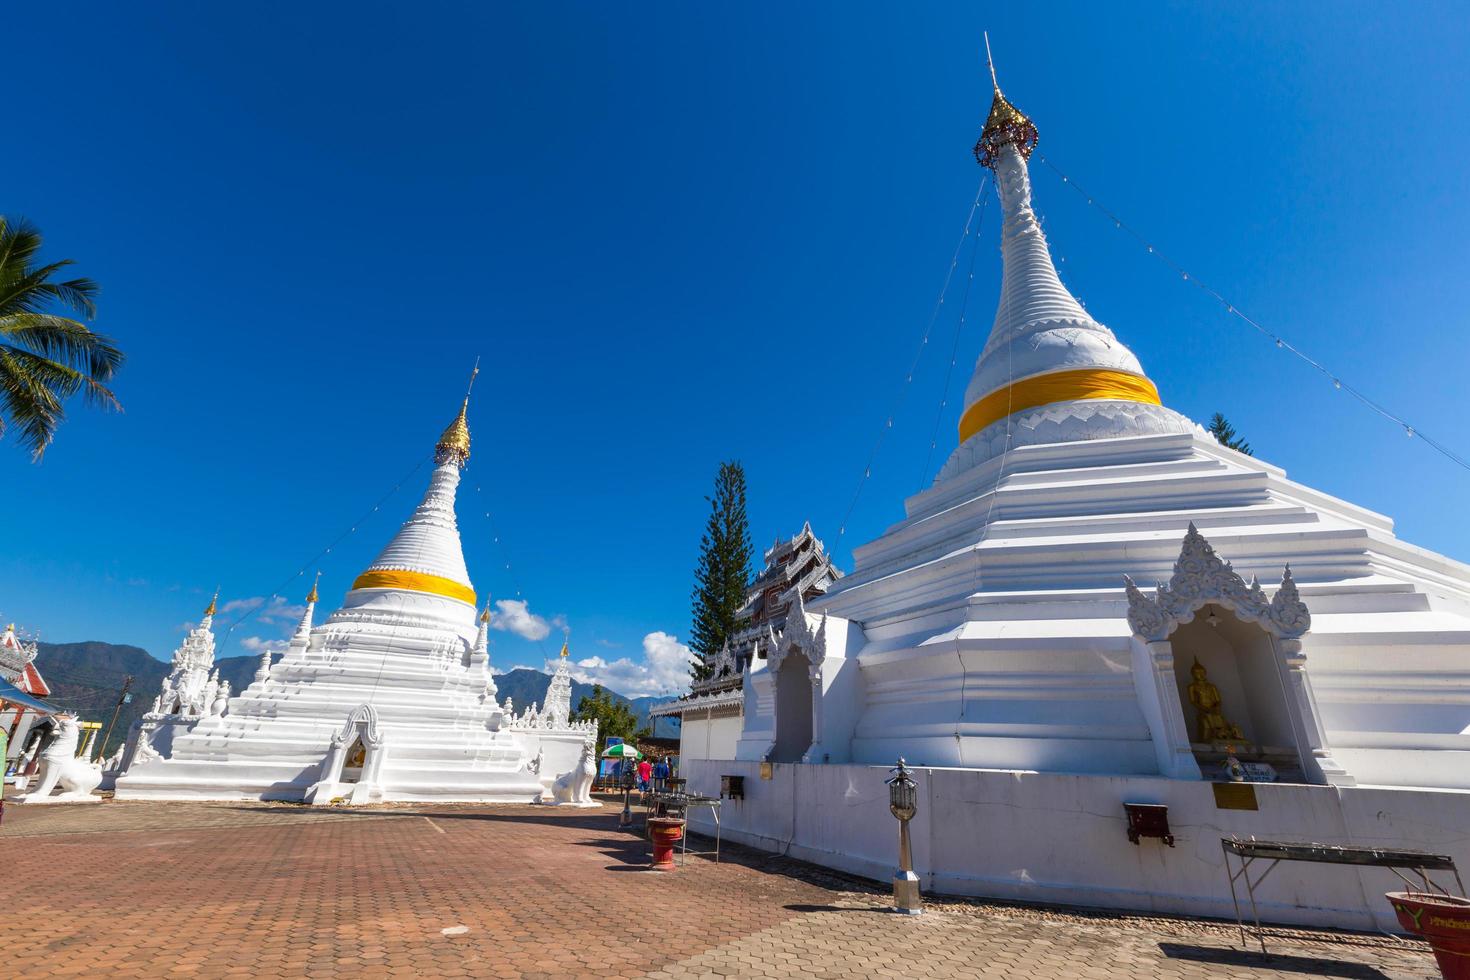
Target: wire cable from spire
224,638
509,570
918,354
1281,343
954,351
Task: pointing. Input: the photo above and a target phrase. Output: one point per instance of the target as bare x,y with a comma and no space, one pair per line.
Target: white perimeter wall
703,737
1045,837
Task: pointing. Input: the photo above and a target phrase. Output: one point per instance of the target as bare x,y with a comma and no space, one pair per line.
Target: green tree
723,572
46,358
613,715
1224,433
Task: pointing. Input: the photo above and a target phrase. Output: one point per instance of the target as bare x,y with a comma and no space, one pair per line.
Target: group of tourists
648,775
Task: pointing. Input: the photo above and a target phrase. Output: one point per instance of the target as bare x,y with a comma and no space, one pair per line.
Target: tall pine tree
1225,435
723,572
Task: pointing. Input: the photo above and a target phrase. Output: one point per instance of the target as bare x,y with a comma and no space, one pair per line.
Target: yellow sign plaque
1235,796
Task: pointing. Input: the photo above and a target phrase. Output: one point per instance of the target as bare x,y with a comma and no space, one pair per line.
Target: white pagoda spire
300,639
191,685
1050,372
480,652
558,705
426,556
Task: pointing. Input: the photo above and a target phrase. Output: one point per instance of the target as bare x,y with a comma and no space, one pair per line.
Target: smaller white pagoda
390,699
192,690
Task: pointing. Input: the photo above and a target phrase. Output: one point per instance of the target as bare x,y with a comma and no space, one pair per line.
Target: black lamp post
903,802
629,775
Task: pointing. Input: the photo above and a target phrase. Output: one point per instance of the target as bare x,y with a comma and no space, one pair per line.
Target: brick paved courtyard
217,889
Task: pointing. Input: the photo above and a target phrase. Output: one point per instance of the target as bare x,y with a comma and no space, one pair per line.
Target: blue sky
678,234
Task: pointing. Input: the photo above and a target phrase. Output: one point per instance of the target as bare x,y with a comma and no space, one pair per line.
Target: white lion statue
60,766
575,788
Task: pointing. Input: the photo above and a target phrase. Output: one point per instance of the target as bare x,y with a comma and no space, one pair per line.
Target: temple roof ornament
312,596
1200,578
454,444
1006,125
15,654
213,604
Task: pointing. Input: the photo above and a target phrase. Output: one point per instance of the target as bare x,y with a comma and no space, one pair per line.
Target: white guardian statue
61,767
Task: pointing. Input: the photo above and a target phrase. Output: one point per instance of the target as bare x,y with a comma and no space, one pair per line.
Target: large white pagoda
1073,619
390,699
997,625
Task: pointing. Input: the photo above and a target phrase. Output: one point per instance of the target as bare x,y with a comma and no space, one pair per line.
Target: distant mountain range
87,678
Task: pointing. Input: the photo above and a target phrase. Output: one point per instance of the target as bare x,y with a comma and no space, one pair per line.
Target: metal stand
678,805
1247,852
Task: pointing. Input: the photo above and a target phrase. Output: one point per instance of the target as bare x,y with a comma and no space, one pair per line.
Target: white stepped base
989,628
234,780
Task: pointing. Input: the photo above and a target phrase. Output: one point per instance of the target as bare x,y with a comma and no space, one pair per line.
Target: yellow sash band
1061,386
416,582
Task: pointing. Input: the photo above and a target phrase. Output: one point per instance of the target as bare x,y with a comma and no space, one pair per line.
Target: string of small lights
923,343
504,554
260,603
1230,308
959,329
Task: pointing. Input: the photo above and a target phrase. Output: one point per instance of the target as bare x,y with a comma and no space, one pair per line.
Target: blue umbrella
9,692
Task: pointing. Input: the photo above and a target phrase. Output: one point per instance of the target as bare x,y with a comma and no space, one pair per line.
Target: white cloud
273,610
256,644
604,642
515,616
664,670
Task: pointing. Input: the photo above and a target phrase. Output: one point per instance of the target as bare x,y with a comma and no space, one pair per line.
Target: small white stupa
390,699
192,690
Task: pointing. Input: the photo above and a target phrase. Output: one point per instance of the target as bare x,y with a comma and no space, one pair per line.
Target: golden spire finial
485,616
1005,126
311,596
564,647
455,442
212,603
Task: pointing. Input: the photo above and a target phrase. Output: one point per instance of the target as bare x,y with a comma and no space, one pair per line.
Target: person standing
645,775
661,775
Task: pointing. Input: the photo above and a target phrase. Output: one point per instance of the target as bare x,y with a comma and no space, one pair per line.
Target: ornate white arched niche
1253,654
359,783
795,658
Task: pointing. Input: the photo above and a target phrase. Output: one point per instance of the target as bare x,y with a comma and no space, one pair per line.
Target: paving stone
206,890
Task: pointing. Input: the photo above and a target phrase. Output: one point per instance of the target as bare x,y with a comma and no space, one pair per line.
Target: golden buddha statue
1211,724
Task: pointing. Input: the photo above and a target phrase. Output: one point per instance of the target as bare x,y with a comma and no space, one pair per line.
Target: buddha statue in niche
1211,725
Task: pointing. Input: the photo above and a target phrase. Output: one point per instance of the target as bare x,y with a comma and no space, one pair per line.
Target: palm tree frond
30,406
46,358
63,339
19,242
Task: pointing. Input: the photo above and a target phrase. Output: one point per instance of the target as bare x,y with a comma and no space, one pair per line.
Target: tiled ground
213,889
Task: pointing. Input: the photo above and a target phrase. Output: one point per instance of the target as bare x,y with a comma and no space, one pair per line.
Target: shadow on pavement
1309,965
